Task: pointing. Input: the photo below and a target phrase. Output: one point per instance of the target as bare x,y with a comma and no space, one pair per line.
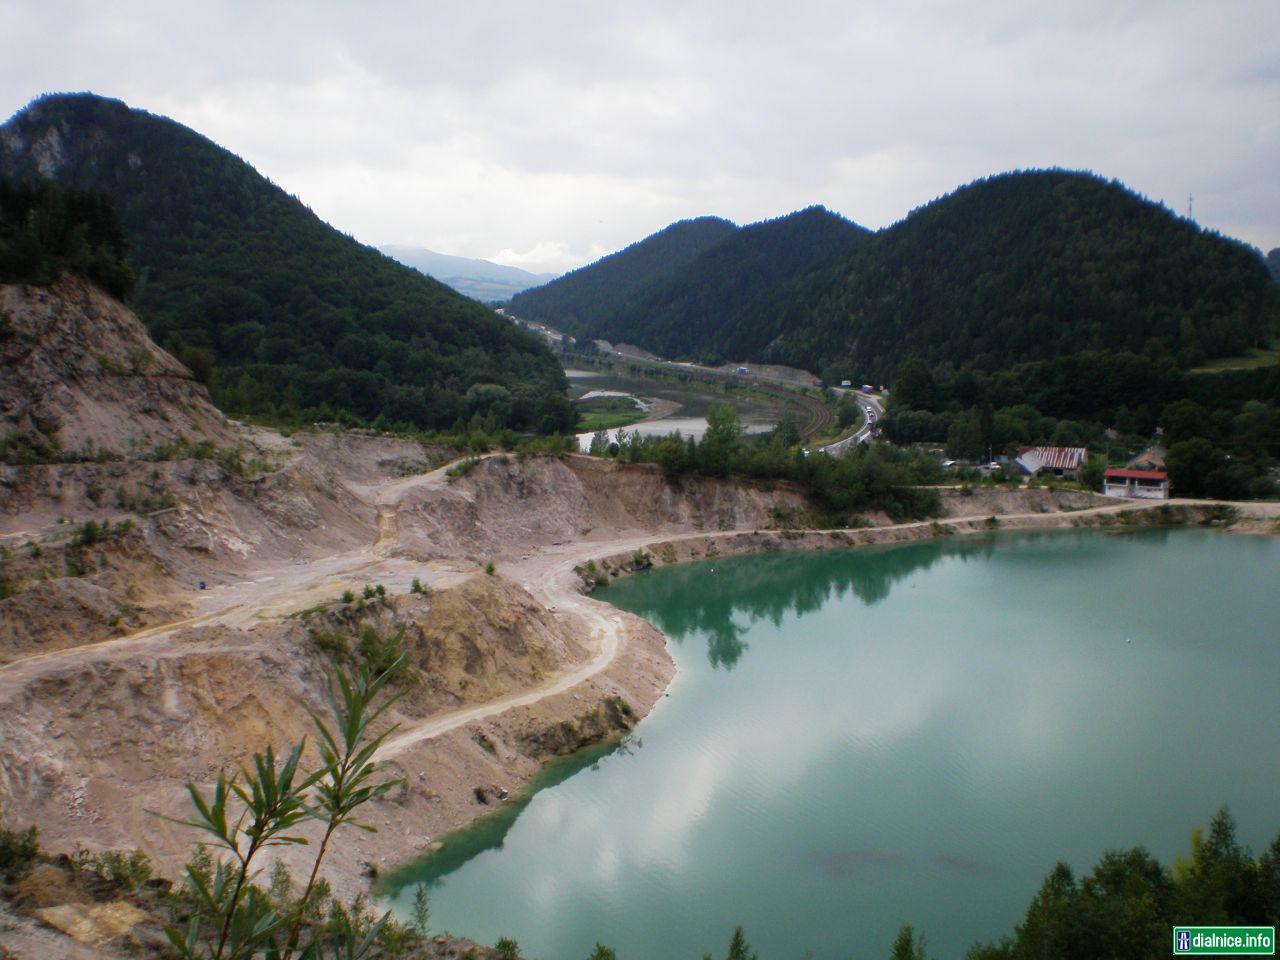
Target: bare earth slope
80,372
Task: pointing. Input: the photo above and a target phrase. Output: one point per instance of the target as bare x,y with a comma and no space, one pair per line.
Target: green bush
18,849
130,871
383,654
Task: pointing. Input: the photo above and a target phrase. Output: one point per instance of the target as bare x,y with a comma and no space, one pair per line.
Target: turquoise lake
910,734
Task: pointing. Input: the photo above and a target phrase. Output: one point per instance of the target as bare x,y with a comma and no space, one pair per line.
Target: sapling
259,808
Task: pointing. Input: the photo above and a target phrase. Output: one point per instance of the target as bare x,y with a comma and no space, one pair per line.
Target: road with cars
872,411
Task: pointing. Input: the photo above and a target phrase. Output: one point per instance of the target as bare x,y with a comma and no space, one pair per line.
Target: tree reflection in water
721,599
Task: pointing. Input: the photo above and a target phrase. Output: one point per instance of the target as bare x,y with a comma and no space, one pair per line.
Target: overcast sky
547,134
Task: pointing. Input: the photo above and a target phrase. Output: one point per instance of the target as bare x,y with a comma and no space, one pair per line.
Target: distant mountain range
480,280
1019,267
301,320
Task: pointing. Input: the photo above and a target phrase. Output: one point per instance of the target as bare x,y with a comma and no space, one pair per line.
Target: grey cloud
562,130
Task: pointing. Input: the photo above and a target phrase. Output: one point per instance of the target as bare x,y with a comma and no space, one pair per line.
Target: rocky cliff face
80,379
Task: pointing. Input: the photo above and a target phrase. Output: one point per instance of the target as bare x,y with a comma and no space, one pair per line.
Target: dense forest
1032,266
287,316
696,309
1022,267
1273,264
577,301
45,230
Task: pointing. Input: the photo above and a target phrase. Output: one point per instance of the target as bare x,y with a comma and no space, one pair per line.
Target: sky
545,135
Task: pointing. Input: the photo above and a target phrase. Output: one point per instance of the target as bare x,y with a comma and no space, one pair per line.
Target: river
685,408
871,737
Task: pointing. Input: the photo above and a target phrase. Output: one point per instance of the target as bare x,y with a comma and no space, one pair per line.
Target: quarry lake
911,734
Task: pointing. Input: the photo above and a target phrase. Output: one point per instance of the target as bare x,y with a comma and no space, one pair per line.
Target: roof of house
1052,458
1115,474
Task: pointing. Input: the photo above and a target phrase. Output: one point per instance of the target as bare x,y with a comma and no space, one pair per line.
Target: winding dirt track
548,575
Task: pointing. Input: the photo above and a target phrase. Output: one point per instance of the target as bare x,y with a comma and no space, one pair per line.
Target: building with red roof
1144,484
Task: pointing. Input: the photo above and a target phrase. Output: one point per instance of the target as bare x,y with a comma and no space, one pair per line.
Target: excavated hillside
506,507
83,379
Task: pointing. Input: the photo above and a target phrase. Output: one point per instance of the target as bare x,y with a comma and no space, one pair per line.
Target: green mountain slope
575,302
300,319
1031,266
698,311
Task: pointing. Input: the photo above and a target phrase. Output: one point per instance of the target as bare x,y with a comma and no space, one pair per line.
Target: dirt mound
82,378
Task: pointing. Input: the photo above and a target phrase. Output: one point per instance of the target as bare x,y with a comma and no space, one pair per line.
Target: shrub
333,644
348,596
489,568
462,467
130,871
383,655
89,533
17,852
507,948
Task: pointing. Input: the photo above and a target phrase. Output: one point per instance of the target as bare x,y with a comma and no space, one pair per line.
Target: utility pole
1191,200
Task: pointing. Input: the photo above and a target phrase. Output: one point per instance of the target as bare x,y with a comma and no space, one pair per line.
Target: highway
871,414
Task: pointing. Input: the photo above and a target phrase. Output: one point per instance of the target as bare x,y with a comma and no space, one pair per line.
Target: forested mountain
1273,264
1030,266
480,280
574,303
300,319
1021,267
696,311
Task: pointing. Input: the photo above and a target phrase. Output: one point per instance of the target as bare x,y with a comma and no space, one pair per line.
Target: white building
1144,484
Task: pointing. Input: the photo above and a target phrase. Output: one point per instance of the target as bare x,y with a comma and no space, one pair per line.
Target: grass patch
1254,359
608,413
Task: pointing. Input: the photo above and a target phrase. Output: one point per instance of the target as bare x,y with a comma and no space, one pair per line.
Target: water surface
689,418
911,734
